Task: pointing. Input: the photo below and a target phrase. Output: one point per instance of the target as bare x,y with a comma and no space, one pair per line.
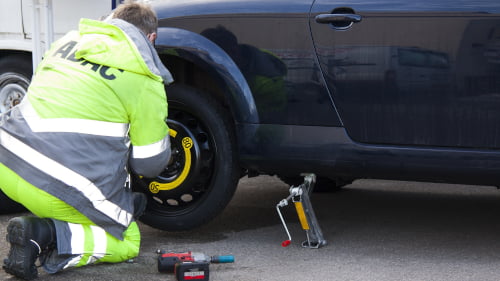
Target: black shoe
140,202
28,238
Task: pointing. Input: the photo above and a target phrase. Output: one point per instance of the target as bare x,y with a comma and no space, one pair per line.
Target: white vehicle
27,27
22,44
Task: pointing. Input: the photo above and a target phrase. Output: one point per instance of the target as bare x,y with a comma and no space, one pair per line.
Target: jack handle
294,192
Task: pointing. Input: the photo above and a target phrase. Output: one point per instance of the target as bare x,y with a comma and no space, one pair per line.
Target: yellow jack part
302,215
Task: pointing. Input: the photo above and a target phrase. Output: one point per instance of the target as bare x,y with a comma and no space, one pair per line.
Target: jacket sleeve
149,131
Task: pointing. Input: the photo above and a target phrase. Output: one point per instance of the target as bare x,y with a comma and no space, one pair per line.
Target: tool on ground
189,265
192,271
300,196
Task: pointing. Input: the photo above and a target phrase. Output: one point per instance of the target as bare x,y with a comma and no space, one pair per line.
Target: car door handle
337,18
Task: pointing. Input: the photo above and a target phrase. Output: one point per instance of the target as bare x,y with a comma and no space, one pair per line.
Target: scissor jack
299,195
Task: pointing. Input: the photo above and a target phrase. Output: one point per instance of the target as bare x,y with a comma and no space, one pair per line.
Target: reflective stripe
70,125
77,238
73,262
100,244
146,151
69,177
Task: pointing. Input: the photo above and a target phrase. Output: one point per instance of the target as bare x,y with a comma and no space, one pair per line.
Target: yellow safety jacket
96,103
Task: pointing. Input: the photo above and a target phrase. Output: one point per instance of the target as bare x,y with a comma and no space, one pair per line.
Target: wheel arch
196,61
7,53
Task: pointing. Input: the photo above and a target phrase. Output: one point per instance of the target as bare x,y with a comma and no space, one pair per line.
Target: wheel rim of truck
12,90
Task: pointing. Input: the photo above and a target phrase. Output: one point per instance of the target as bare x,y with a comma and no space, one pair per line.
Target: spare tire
203,174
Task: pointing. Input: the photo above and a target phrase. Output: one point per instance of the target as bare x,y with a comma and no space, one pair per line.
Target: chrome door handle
337,18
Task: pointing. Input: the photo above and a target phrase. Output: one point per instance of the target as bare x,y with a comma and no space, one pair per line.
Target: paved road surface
377,230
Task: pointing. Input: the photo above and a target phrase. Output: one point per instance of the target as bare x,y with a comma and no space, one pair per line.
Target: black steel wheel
202,175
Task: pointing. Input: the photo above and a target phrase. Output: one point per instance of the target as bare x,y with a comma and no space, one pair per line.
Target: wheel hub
183,181
12,90
183,159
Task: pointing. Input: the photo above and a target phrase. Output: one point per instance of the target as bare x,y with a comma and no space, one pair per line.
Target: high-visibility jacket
96,103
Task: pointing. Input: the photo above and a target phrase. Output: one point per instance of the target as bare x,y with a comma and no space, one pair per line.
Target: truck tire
15,76
7,206
202,175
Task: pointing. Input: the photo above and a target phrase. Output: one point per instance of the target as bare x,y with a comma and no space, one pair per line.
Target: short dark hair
139,14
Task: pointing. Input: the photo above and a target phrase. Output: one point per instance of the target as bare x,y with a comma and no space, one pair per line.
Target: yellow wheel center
187,144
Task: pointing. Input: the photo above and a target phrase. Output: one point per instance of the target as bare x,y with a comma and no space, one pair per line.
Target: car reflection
263,70
407,73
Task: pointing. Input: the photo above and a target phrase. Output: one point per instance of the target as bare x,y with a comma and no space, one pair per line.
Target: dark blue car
389,89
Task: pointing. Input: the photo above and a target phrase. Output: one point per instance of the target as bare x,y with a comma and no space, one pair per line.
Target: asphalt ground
376,230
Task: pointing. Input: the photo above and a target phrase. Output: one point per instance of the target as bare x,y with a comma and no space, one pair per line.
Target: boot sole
18,262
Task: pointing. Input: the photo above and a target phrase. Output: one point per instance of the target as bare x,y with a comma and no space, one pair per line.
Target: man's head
141,15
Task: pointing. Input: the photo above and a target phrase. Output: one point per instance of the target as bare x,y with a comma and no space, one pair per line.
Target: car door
423,73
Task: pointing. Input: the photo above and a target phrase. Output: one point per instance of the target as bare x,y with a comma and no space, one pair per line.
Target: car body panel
201,8
197,49
330,152
339,116
290,84
396,81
